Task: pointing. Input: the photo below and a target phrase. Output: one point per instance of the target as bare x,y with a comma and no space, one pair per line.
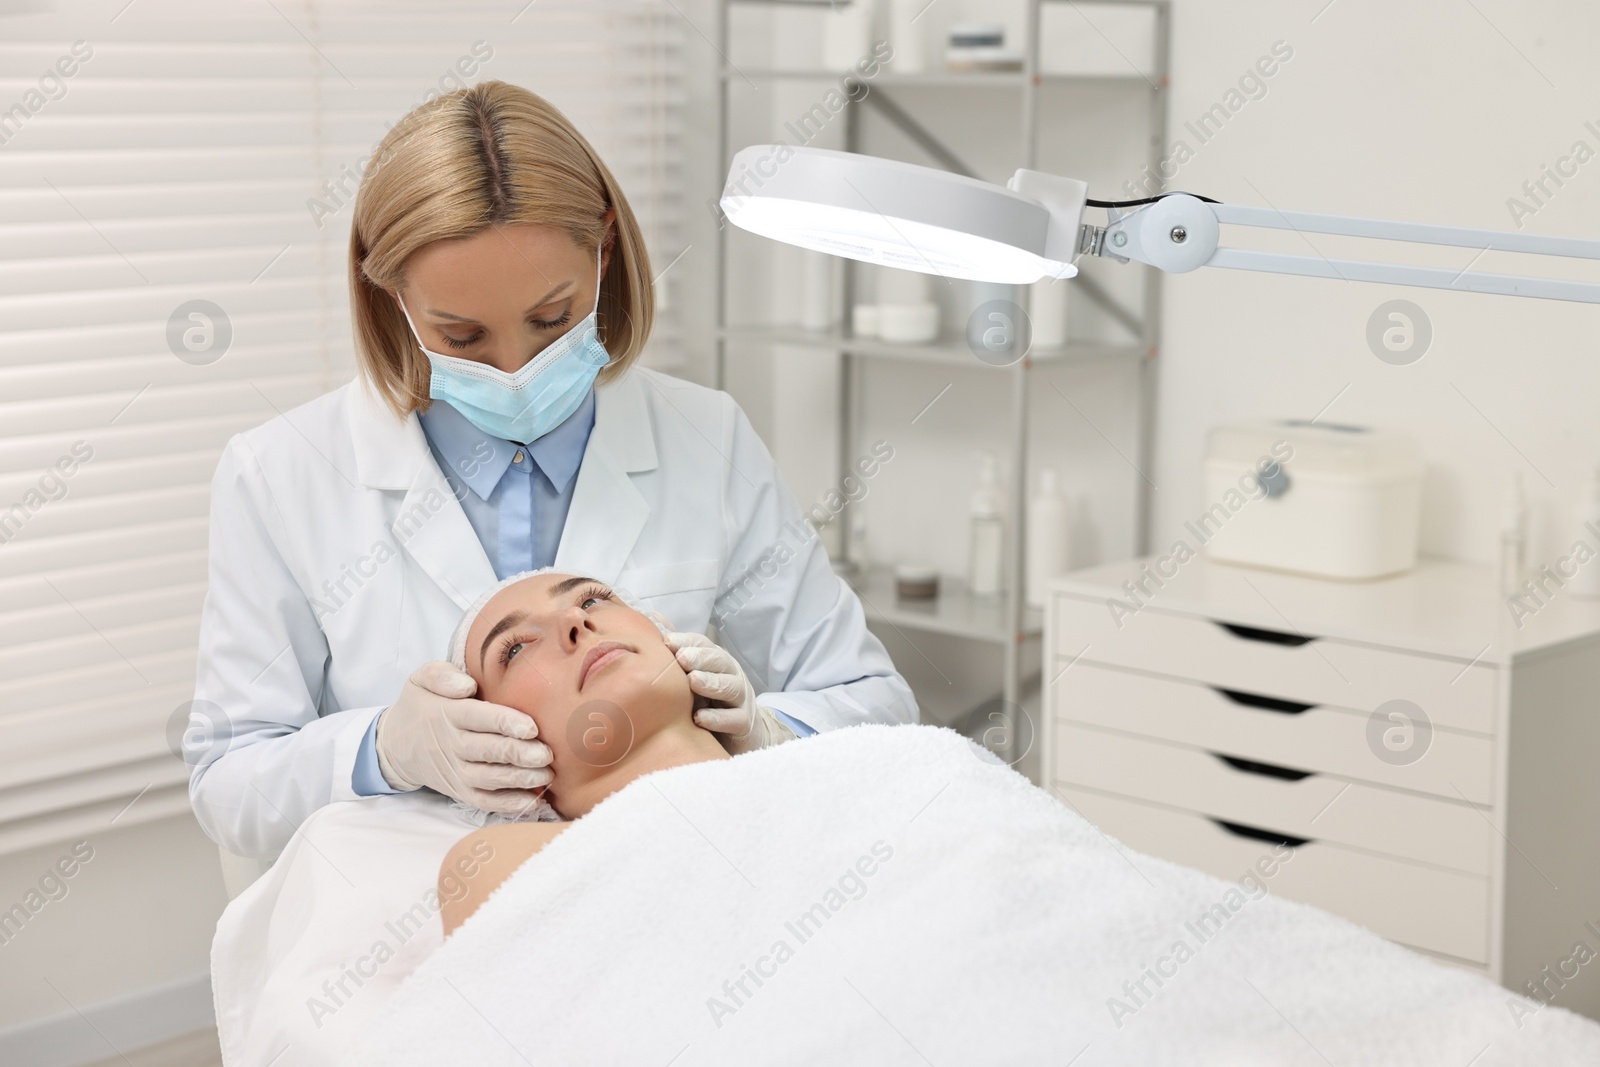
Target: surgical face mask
530,402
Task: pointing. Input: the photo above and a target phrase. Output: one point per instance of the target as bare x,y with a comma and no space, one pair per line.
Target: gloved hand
726,701
482,754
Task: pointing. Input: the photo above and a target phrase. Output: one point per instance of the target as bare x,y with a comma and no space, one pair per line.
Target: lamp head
904,216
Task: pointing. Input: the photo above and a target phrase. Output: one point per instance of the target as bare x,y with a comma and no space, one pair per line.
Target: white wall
1429,111
137,915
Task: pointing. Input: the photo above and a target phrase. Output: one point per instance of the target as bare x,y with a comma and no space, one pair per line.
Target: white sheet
995,926
350,903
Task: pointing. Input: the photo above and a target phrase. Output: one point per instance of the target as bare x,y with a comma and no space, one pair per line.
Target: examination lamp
922,219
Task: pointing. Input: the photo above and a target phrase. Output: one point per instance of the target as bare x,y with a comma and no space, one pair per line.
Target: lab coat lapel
608,512
435,531
431,525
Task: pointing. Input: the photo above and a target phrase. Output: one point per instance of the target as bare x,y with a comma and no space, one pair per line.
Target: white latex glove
730,707
482,754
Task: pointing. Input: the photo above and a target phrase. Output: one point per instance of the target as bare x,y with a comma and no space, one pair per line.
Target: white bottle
816,298
905,36
1047,536
846,34
1513,538
1047,312
986,544
1586,582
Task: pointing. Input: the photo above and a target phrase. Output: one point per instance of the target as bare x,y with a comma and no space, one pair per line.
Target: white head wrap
458,656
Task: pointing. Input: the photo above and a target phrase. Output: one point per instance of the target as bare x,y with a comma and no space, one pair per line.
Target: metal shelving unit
1007,620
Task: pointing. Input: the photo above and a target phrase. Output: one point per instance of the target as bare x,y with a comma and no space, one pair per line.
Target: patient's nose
574,622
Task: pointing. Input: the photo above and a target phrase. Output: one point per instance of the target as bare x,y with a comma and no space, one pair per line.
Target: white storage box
1315,498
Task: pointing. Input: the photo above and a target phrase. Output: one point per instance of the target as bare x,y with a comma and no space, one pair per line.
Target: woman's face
502,295
594,674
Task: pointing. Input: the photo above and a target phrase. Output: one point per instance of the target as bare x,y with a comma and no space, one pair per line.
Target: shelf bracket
925,138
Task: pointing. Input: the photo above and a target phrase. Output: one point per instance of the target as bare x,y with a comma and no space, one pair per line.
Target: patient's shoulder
477,864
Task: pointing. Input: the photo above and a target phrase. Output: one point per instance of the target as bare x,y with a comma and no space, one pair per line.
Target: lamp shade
890,213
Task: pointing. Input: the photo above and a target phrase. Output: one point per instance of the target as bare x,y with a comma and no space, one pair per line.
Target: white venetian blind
183,159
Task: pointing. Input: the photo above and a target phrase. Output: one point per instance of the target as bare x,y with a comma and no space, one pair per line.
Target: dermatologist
500,296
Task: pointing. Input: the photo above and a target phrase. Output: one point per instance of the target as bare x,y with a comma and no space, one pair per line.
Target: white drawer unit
1426,907
1433,765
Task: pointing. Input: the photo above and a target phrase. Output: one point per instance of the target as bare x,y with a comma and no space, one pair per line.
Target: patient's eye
592,594
509,648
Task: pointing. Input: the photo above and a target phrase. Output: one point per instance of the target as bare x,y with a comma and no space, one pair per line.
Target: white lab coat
341,561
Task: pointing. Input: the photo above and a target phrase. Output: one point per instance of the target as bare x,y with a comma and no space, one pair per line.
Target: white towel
885,895
309,950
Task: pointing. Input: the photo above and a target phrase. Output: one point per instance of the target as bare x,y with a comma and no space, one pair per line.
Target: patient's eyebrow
567,585
510,620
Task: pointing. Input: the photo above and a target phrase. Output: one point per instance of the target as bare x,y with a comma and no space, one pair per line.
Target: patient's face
594,674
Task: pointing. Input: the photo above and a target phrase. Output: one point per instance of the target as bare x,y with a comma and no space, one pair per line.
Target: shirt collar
480,460
559,452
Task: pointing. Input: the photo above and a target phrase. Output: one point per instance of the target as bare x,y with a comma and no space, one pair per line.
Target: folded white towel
884,895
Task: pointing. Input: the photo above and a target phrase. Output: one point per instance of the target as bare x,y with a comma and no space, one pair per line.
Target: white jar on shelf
906,314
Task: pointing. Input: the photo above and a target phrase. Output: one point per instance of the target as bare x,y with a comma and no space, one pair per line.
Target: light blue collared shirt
516,497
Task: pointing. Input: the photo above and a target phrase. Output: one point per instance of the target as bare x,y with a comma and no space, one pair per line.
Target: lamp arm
1179,233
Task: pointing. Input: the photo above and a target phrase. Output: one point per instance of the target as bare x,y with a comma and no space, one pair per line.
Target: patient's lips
600,655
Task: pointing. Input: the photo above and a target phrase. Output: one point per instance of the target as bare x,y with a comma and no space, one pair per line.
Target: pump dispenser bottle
1586,583
986,541
1513,538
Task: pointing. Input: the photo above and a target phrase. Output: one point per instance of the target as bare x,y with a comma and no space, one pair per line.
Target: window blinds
175,189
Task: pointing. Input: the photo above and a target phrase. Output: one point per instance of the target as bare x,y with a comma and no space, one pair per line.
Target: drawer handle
1252,700
1271,637
1239,829
1269,770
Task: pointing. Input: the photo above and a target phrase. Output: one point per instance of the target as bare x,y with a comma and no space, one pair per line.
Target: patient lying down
851,877
607,695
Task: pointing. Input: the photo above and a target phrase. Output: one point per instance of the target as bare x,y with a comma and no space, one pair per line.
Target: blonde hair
494,153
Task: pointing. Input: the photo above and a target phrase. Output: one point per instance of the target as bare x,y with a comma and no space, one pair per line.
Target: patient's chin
647,688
